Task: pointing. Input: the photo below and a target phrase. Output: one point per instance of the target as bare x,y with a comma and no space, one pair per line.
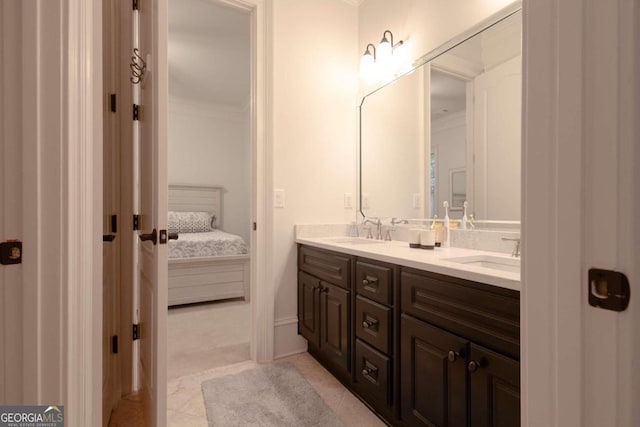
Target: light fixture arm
390,40
366,51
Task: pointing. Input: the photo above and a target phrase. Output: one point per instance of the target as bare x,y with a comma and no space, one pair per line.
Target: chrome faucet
395,221
516,250
378,225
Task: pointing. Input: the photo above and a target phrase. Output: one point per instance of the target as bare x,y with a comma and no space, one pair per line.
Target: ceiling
209,53
448,94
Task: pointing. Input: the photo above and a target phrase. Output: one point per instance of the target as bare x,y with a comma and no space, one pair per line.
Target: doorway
210,197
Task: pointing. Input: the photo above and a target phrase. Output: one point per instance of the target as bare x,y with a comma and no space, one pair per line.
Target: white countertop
400,253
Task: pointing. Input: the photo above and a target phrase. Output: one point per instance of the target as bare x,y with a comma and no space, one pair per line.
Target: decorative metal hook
138,67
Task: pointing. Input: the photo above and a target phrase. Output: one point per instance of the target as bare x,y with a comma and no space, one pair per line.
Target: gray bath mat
271,395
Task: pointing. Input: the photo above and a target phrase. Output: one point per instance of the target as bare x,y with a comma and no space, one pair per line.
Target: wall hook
138,67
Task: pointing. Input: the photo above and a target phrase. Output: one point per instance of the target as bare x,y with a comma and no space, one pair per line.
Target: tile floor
211,340
185,404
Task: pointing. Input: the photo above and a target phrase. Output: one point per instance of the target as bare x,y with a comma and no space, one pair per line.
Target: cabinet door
308,308
433,377
495,389
334,324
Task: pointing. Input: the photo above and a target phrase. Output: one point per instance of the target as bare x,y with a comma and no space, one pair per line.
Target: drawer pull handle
474,365
453,355
370,371
369,323
323,289
369,281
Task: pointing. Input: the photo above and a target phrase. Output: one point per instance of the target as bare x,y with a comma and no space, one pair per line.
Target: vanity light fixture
368,63
386,46
378,68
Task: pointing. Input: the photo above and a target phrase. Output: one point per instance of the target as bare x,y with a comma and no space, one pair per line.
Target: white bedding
212,243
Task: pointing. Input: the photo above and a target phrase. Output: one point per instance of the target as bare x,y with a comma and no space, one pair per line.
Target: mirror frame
492,20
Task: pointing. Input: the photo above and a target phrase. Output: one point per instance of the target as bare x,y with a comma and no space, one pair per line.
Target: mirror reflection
450,130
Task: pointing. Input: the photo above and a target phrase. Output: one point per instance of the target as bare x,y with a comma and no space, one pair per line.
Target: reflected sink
512,265
354,240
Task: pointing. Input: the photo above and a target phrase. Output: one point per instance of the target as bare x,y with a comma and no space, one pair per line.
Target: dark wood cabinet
419,348
334,324
324,307
495,389
434,375
449,376
308,308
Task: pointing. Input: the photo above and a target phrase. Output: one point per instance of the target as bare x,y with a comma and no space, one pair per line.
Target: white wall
448,141
209,145
315,65
423,25
393,148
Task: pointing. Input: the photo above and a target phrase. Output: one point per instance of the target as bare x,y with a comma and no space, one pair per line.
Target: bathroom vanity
429,337
421,339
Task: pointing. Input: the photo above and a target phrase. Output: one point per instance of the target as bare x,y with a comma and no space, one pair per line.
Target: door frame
261,246
581,209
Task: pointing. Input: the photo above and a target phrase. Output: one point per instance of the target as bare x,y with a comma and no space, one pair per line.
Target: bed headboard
196,198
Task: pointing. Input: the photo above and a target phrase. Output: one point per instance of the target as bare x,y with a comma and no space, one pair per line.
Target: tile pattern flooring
211,340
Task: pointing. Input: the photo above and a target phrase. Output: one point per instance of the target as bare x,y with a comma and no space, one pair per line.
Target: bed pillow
190,222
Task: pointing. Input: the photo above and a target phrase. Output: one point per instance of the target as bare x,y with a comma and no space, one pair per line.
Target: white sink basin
354,240
511,265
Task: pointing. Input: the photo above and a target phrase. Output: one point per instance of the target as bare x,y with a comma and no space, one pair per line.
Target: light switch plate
348,201
278,198
417,200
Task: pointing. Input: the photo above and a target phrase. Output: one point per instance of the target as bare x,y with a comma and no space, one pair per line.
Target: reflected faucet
516,250
378,225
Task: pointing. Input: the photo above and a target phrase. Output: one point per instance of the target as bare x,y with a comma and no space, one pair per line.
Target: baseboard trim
287,342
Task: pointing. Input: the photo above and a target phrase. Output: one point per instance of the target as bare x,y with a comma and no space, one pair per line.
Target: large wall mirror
449,130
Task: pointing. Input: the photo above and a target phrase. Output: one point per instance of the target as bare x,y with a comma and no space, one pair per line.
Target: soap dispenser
447,230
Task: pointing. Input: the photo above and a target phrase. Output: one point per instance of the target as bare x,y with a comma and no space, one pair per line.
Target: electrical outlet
348,201
365,201
417,200
278,198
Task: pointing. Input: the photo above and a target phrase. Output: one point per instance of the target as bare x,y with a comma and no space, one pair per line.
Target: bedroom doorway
210,186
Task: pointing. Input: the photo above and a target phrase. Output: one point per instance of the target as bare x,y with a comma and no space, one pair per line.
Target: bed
205,263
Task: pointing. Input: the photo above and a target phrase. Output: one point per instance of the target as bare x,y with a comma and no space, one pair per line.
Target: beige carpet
272,395
206,336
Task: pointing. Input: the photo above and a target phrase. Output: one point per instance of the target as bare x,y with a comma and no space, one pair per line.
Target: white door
111,357
497,141
150,136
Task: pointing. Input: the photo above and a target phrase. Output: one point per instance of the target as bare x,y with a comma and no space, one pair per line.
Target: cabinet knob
453,356
369,280
370,371
369,323
324,289
474,365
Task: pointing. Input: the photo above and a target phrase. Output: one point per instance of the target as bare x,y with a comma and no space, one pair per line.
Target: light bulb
385,51
367,67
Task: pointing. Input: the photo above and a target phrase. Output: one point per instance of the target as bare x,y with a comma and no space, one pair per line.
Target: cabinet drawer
329,266
373,324
375,282
486,314
373,373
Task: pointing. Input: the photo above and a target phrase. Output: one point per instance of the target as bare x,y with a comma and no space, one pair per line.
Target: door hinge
112,102
11,252
136,5
114,344
255,226
136,331
114,223
136,222
136,112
